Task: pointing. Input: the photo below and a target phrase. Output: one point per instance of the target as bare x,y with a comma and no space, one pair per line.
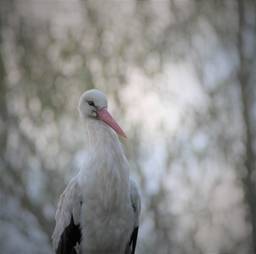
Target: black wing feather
69,238
133,239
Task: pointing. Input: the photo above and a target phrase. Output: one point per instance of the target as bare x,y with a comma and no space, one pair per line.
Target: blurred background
180,76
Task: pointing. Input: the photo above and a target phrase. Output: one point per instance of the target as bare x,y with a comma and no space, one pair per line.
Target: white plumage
101,203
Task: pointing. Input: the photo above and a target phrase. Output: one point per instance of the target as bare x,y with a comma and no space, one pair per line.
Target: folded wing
136,205
67,234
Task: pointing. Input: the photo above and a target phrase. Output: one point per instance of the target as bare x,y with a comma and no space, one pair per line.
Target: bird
99,210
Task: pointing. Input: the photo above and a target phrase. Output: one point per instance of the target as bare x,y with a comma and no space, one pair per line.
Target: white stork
98,212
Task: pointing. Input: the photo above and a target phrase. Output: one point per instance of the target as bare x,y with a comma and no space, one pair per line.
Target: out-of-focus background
180,76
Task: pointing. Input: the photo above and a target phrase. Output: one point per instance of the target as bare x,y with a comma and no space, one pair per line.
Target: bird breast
104,181
106,210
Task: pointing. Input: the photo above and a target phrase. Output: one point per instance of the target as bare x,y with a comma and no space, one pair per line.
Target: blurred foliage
180,77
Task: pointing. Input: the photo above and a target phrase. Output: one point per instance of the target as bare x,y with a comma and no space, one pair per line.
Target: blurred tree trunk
3,110
6,13
246,99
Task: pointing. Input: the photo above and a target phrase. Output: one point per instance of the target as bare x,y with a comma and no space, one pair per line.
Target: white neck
105,176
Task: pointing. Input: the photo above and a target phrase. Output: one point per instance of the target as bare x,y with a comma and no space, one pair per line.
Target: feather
70,237
68,211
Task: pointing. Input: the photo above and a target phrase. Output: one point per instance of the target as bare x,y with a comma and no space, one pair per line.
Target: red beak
105,116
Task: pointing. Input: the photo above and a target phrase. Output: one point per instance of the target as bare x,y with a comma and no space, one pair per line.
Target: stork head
93,104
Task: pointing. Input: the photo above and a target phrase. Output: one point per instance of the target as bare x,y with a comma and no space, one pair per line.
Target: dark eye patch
91,103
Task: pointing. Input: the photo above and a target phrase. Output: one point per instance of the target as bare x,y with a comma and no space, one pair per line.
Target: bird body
106,190
101,204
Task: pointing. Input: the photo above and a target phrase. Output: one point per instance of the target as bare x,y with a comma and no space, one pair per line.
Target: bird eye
91,103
